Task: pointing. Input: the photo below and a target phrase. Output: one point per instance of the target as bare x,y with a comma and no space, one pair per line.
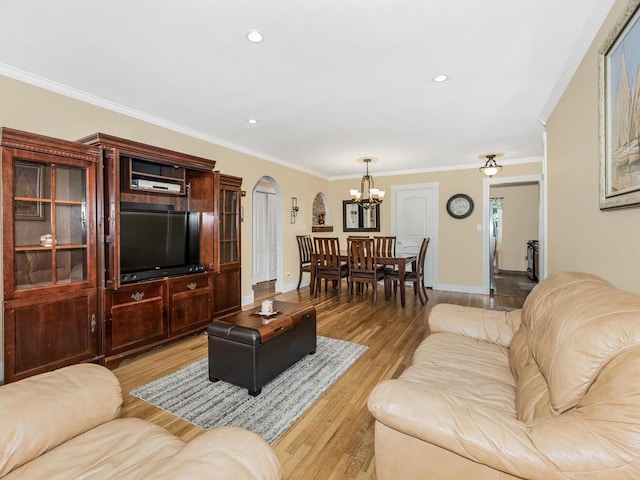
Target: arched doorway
267,247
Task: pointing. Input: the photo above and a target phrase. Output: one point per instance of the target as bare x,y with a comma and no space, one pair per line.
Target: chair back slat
361,254
327,252
305,248
385,246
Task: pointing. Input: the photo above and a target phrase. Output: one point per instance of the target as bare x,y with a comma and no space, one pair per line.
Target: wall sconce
294,209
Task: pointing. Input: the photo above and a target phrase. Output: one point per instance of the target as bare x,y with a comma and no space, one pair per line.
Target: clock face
460,206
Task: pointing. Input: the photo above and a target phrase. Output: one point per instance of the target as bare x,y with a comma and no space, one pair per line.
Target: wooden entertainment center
66,299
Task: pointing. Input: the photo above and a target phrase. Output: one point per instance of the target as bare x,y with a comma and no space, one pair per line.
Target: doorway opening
513,217
267,248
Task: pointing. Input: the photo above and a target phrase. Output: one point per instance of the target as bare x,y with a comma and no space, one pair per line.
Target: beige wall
581,237
460,244
519,224
33,109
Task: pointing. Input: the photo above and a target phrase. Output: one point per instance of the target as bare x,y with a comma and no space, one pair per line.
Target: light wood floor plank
334,439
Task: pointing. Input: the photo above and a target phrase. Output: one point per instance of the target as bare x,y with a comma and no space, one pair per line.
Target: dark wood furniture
385,246
328,263
416,276
226,241
399,263
363,266
51,256
141,316
305,250
249,350
66,299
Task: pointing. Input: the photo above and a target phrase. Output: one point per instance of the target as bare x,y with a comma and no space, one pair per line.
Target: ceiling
333,80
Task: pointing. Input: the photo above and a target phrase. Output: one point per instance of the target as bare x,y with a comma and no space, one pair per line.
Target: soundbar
151,185
160,273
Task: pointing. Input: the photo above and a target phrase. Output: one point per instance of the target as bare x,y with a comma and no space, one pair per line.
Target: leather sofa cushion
86,395
575,324
452,395
130,448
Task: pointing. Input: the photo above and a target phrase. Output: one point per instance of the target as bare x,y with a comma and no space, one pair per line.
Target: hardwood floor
335,437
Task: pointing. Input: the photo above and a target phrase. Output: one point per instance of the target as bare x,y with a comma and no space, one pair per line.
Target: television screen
151,239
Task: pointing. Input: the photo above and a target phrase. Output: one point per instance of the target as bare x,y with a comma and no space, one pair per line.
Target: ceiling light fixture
255,36
490,168
367,195
440,78
252,121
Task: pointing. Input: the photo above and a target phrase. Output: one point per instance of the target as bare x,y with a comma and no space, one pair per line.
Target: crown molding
56,87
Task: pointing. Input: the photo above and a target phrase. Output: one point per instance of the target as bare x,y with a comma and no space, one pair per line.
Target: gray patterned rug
189,394
528,286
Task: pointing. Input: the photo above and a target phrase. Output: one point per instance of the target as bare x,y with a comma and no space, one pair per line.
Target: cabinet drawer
191,303
137,317
137,293
189,283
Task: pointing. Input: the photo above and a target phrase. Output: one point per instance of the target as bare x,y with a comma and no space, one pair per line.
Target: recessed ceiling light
254,36
252,121
440,78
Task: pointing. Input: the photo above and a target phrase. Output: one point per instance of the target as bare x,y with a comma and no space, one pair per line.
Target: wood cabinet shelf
152,177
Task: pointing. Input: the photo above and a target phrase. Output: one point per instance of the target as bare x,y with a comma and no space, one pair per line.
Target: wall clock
460,205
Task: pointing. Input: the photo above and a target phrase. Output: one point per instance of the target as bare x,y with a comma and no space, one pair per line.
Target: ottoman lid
250,329
236,333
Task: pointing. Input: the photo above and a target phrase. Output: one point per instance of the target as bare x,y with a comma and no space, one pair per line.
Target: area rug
503,308
526,286
190,395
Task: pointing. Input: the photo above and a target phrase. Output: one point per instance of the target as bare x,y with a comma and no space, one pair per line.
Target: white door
415,216
273,236
264,237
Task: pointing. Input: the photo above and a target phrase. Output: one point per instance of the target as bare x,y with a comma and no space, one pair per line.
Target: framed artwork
620,113
28,184
356,218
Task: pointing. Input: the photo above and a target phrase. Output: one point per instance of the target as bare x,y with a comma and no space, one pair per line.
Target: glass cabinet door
229,244
50,224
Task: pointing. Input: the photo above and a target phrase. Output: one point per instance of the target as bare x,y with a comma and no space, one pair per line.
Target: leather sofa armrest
231,452
480,433
479,323
43,411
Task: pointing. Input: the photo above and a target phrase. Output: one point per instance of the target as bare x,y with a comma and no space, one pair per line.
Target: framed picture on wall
356,218
620,113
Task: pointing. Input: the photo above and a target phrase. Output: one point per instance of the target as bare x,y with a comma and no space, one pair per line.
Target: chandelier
490,168
368,194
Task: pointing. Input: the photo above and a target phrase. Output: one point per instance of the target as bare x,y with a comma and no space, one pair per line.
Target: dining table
400,261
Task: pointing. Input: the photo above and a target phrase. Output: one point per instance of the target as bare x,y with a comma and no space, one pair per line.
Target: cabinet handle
93,323
112,219
192,285
137,296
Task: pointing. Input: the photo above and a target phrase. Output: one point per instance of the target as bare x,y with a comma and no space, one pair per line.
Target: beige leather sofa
551,391
64,425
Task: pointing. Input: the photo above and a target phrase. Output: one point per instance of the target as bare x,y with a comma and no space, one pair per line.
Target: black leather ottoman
249,351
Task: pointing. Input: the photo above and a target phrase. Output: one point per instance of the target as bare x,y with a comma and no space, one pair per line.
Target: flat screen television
158,243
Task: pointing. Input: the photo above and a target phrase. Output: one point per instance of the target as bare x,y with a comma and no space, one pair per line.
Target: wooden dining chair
305,250
415,276
329,265
385,246
363,268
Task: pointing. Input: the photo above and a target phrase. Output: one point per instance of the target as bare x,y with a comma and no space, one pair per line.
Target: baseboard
458,288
